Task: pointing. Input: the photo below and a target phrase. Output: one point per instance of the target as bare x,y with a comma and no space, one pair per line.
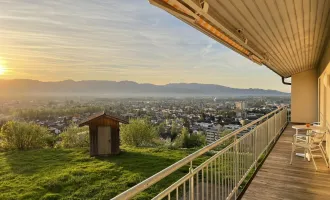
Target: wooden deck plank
277,179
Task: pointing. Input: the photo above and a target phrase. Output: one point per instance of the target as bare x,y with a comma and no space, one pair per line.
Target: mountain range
126,89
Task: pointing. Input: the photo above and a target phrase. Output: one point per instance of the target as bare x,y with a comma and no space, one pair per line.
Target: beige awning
288,36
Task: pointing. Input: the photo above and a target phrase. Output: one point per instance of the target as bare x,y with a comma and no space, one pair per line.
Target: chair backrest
317,137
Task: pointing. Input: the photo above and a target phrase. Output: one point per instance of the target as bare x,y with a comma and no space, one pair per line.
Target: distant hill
125,89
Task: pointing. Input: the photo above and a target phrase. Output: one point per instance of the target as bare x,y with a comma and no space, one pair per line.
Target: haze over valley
125,89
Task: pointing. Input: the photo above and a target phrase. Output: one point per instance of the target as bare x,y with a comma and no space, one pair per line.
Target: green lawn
73,174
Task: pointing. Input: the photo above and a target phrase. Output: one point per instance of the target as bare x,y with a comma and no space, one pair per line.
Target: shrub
22,136
75,136
184,140
175,130
139,132
51,140
196,140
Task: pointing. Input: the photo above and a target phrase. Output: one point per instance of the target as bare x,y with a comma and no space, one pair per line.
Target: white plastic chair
314,144
297,137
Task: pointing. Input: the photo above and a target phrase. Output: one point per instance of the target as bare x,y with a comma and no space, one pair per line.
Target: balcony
227,164
277,179
255,165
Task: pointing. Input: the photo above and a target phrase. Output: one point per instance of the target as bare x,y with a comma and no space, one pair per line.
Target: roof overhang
286,36
99,115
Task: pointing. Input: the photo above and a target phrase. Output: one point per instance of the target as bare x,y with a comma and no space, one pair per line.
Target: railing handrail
172,168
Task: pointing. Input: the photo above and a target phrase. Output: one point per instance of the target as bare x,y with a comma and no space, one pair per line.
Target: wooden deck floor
277,179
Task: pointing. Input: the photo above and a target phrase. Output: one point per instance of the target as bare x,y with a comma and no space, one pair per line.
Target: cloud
115,40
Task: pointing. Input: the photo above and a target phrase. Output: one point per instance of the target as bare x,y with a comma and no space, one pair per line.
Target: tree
139,132
203,116
182,139
75,136
174,130
22,136
186,123
185,137
185,140
161,130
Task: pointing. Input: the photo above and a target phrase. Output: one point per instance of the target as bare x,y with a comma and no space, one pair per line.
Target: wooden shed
103,133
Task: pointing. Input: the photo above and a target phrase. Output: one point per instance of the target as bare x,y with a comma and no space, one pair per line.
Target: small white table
304,127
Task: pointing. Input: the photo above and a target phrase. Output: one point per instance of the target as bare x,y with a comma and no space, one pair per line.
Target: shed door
104,140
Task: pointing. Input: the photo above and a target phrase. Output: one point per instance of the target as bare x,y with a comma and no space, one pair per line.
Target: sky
116,40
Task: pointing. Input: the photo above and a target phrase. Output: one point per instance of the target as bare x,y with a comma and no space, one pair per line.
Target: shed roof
102,114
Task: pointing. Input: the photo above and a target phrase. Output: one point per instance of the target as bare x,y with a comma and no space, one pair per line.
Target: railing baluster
203,184
236,163
177,193
197,185
240,151
192,189
222,178
246,151
215,179
255,148
227,174
232,169
219,176
184,190
191,183
246,154
207,182
211,176
224,175
240,157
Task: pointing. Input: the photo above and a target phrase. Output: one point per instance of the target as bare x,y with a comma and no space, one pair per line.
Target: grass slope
73,174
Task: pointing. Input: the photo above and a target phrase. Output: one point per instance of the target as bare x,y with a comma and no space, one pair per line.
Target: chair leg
292,152
310,152
324,157
323,150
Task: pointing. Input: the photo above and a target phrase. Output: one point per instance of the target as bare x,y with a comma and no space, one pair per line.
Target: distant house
232,127
54,130
212,135
205,125
75,119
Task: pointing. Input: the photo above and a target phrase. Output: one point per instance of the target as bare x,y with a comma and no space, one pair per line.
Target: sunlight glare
2,70
2,66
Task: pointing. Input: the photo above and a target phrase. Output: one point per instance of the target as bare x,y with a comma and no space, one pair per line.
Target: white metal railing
222,176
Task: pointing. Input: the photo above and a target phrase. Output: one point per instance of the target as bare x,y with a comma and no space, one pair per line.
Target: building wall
324,63
324,94
240,105
304,97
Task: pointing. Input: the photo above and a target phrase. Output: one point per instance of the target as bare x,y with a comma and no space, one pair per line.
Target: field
73,174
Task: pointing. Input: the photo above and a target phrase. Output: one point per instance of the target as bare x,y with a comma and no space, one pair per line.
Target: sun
2,69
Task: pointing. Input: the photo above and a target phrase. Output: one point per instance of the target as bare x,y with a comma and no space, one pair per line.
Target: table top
304,127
